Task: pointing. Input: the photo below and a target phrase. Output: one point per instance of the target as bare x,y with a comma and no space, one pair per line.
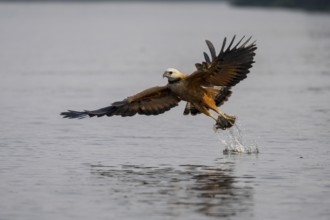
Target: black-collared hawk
205,89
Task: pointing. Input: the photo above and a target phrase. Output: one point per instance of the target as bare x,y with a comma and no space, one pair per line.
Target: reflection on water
208,190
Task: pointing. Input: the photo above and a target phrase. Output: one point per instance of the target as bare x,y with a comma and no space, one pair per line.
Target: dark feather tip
211,48
74,114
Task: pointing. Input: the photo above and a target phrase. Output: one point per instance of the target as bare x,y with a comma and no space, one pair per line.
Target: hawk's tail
222,95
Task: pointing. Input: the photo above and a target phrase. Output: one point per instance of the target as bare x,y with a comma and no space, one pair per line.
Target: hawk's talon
225,121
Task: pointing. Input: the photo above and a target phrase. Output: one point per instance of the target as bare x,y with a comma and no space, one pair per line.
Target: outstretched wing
227,68
153,101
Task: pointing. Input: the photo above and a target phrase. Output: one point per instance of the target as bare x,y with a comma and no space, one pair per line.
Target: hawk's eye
170,72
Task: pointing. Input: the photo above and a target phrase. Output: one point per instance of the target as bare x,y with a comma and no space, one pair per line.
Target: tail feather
222,96
190,109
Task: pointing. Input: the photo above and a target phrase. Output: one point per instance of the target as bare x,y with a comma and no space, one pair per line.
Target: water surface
60,56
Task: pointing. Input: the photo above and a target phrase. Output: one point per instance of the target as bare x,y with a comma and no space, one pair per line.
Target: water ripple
207,190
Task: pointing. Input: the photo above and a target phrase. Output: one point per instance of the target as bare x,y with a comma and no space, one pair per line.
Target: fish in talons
224,121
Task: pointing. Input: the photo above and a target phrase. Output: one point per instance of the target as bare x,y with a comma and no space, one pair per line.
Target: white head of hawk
173,74
207,88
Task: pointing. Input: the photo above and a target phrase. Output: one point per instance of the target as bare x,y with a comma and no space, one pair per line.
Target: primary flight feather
205,89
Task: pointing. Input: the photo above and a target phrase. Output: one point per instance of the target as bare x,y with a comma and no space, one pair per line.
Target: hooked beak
165,74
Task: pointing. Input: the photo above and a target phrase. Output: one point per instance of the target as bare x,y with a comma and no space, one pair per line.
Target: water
55,57
232,141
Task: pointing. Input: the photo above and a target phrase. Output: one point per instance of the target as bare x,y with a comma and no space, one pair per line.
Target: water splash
232,139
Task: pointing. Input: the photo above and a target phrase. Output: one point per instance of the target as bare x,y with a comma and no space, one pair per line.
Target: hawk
207,88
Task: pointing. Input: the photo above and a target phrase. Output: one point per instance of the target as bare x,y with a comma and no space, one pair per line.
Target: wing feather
152,101
223,46
212,49
239,42
207,58
231,43
228,68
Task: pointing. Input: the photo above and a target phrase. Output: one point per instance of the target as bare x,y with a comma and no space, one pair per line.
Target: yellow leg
205,111
223,121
